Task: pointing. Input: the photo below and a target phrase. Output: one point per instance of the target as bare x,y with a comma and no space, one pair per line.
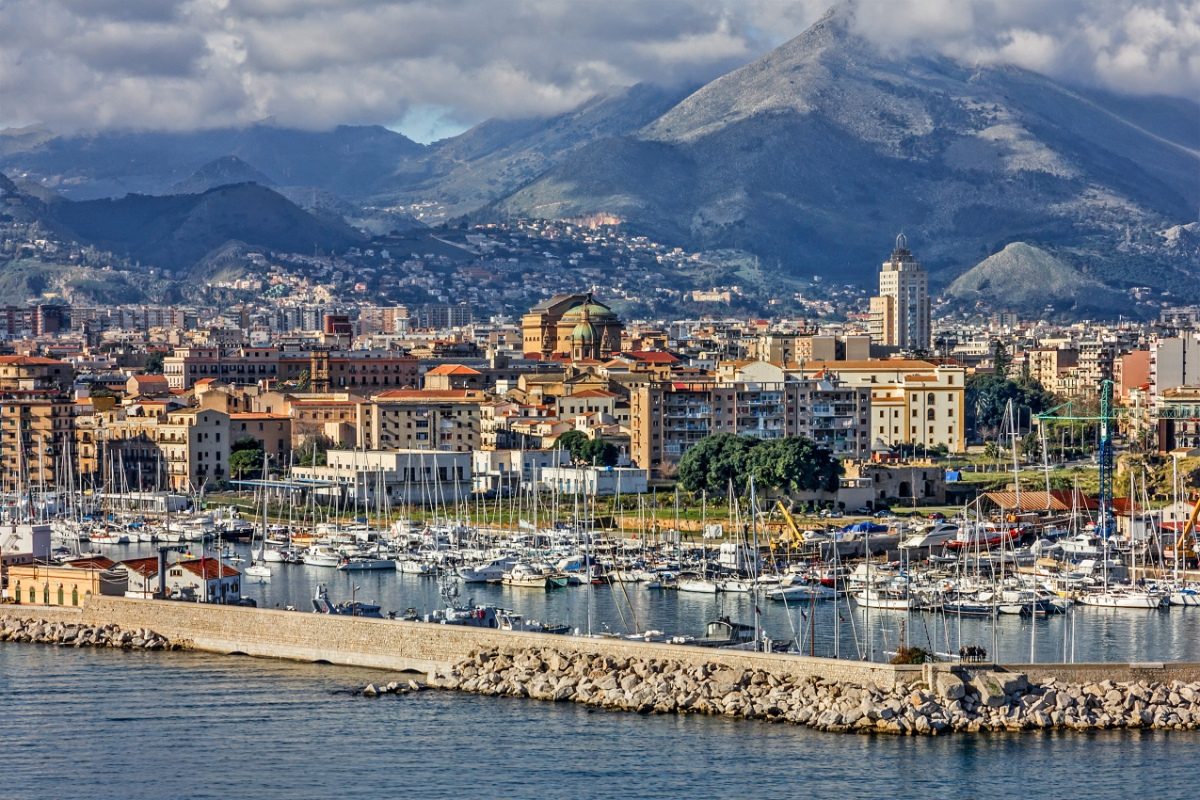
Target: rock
990,689
370,691
949,686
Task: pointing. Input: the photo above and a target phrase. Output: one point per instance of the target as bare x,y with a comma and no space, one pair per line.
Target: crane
792,536
1105,519
1184,547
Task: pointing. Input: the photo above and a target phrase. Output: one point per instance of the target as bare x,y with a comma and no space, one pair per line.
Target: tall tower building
899,316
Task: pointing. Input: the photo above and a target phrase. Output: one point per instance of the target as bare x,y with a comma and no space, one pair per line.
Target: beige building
573,326
912,401
899,315
423,419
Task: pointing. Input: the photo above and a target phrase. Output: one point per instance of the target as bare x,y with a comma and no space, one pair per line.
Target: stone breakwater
966,701
68,634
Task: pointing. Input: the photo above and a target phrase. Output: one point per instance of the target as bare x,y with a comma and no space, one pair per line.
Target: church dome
585,332
590,309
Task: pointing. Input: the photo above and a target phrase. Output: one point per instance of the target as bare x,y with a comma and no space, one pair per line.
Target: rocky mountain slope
1022,276
813,156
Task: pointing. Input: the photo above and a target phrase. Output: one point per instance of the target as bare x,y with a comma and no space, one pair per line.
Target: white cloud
84,64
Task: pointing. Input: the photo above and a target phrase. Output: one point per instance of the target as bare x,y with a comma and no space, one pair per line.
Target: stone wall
416,646
423,647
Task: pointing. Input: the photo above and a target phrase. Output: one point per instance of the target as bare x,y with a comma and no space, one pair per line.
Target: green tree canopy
599,453
245,459
715,462
793,464
988,395
572,442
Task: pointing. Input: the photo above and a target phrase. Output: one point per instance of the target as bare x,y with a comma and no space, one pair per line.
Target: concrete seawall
431,648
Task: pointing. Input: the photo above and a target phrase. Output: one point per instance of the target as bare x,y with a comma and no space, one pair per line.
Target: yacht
322,556
490,572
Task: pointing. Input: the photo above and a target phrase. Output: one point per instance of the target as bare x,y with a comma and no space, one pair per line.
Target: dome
591,310
585,332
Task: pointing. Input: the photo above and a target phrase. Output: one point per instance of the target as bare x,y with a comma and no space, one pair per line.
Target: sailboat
258,567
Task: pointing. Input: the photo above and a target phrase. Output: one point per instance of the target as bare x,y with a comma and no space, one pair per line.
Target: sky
431,68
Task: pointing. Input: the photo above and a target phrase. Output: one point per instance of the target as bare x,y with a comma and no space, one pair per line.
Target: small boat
258,570
322,605
802,592
364,563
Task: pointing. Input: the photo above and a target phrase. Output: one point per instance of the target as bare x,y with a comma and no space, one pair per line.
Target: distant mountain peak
220,171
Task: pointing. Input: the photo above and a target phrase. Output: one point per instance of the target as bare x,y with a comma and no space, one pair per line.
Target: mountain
221,171
1022,276
349,160
816,154
177,232
497,157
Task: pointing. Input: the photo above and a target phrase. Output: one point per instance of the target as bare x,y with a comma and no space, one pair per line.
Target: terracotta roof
246,415
652,356
92,562
146,567
207,568
453,369
429,394
30,361
1058,500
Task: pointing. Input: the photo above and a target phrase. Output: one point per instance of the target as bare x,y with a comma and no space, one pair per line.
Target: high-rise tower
900,314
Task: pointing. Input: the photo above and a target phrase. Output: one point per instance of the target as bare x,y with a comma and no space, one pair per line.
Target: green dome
585,332
591,310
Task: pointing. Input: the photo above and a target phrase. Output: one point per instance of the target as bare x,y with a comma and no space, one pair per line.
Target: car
884,512
863,510
937,516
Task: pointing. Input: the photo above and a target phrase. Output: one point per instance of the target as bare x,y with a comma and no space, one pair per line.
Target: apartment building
669,418
912,401
314,370
423,419
36,421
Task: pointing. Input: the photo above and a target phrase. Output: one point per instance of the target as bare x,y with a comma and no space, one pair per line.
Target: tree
246,458
573,442
312,450
1001,360
154,363
794,464
715,462
987,398
599,453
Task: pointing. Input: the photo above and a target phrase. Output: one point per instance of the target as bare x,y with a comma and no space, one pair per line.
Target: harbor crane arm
793,536
1182,545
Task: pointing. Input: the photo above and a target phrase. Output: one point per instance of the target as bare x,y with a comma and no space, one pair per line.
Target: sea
116,724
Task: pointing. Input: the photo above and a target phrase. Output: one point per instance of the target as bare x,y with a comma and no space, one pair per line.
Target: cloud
89,64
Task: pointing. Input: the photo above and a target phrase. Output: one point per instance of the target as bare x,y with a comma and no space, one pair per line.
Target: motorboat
322,605
489,572
321,556
801,592
935,536
364,563
493,617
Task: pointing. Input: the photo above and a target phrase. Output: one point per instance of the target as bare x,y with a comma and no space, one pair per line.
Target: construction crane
1184,546
791,537
1105,519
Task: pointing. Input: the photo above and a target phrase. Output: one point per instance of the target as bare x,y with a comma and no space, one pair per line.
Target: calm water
163,725
1095,634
